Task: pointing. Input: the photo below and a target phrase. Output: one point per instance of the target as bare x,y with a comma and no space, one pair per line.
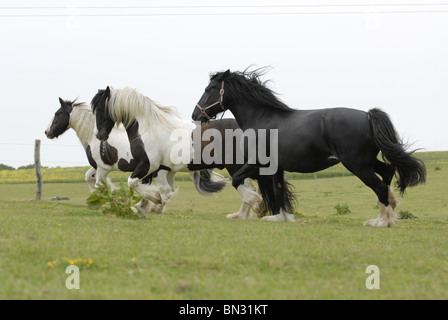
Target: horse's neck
249,115
244,115
82,120
161,121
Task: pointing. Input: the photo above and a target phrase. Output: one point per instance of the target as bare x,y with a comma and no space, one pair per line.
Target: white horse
159,137
112,155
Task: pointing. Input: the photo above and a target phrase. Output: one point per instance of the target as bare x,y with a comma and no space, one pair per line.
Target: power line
43,144
231,6
31,161
222,14
183,7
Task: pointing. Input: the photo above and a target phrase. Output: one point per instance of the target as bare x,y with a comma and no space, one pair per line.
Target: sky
322,54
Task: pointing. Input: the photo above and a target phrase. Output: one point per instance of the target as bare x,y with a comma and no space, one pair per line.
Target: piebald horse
114,155
160,136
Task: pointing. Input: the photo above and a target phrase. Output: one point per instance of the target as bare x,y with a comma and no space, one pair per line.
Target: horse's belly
308,162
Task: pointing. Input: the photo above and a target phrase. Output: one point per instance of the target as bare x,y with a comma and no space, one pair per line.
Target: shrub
6,167
342,209
118,202
406,215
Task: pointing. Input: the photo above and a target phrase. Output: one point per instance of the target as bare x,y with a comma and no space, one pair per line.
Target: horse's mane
128,103
75,103
81,120
248,84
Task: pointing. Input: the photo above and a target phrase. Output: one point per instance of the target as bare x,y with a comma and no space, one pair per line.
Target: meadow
193,252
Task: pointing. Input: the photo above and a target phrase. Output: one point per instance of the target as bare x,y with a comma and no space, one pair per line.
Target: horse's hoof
157,199
270,218
376,223
158,209
235,215
133,183
280,217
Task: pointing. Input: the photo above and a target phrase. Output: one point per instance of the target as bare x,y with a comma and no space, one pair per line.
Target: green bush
342,209
6,167
116,203
406,215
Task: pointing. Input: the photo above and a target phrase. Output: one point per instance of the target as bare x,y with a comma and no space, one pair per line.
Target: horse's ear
225,75
61,101
107,92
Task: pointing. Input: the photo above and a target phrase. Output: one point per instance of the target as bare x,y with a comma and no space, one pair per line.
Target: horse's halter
220,100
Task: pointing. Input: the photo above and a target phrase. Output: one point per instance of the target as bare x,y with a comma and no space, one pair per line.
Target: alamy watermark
73,280
249,146
373,280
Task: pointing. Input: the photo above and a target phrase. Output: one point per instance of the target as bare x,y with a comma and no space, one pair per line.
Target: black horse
313,140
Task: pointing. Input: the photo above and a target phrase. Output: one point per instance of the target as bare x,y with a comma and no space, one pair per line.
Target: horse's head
104,122
212,101
61,120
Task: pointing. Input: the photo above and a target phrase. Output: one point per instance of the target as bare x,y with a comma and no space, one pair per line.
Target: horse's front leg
143,168
251,199
149,192
165,185
254,204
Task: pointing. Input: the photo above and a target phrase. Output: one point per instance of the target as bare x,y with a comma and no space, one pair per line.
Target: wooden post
38,169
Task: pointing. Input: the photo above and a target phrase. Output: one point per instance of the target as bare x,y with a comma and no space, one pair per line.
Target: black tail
276,192
410,170
206,182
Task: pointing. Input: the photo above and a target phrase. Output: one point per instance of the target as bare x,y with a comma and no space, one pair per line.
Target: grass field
193,252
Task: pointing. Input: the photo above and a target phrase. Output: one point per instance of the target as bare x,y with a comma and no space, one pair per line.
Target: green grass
193,252
433,160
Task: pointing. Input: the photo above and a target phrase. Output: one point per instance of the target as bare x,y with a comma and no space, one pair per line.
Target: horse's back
348,131
317,139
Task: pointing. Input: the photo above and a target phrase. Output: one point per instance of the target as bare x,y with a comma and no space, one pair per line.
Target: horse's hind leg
103,179
387,214
387,171
282,196
165,184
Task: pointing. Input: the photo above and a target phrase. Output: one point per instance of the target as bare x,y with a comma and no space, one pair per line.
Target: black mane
99,100
74,103
249,85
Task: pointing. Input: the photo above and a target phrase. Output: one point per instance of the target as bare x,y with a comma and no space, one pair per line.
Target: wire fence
220,10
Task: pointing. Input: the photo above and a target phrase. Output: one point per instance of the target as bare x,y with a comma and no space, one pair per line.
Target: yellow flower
133,259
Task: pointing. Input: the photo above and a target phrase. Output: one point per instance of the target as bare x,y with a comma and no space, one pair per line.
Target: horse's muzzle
49,136
102,135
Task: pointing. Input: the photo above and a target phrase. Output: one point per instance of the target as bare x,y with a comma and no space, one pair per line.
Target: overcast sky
346,54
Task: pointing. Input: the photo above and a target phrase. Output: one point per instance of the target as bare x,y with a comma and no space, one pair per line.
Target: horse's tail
410,170
207,181
276,192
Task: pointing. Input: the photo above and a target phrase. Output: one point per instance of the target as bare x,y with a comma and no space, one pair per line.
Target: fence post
38,169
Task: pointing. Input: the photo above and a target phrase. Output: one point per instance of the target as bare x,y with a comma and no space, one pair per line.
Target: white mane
127,104
82,120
